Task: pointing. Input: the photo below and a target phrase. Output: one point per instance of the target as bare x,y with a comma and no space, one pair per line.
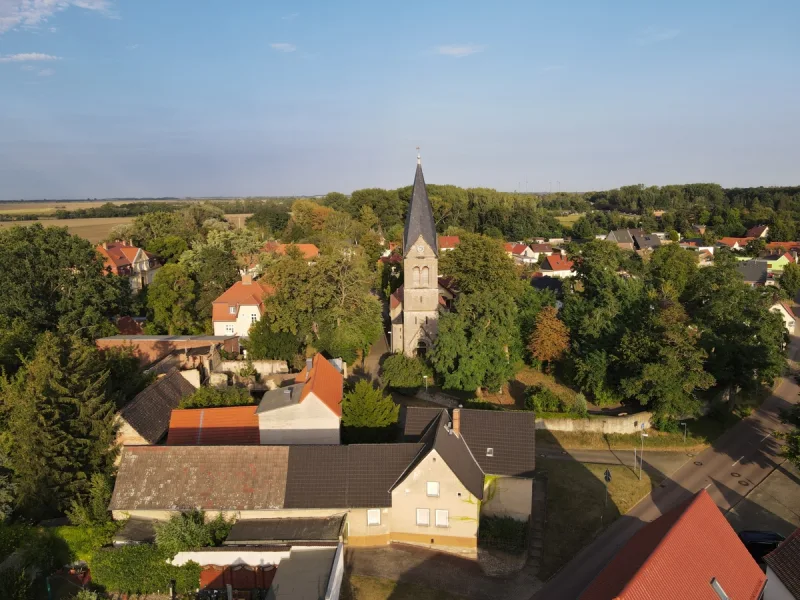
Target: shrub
141,569
16,584
188,531
248,370
665,424
86,595
265,344
206,397
480,405
503,533
580,406
83,542
13,537
404,372
94,510
540,398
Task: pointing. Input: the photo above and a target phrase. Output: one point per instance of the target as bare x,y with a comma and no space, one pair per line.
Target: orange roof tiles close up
228,426
325,382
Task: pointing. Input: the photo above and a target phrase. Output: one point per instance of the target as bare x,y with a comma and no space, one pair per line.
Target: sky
135,98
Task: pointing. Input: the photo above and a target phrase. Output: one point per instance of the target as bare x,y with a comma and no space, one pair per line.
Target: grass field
356,587
96,230
575,505
569,220
49,207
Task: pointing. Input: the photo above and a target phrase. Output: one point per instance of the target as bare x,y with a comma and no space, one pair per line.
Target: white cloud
283,47
459,51
290,17
32,13
46,72
654,35
27,57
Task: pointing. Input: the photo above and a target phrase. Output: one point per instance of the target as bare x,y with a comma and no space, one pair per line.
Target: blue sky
107,98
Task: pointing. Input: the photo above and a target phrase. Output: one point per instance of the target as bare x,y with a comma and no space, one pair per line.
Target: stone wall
621,424
264,368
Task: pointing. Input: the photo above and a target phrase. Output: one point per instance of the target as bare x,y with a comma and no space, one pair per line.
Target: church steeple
419,220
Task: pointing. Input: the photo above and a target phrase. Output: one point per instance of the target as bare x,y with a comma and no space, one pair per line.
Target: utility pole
684,433
641,454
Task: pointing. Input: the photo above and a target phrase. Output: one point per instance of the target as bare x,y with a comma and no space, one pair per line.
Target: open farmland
568,220
96,230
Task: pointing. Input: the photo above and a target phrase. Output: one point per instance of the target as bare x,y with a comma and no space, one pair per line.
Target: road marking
766,436
708,486
740,458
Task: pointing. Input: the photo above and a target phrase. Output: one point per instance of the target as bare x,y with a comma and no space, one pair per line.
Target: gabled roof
397,298
772,246
753,271
732,241
324,381
119,254
677,556
448,242
514,248
541,247
308,251
645,241
419,220
556,262
786,307
149,412
227,426
756,231
510,434
242,293
785,562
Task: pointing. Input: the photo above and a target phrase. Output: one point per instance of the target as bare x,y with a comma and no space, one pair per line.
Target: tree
674,236
479,264
368,415
92,511
59,423
265,344
790,279
269,219
672,265
399,371
755,247
583,229
208,397
169,247
182,532
472,348
215,270
791,447
550,339
171,298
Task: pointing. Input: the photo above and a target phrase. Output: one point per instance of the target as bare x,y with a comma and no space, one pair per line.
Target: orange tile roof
784,245
731,241
516,248
240,294
228,426
325,382
677,556
308,251
556,262
447,242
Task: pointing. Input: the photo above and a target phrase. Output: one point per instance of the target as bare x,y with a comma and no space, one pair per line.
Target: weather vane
419,158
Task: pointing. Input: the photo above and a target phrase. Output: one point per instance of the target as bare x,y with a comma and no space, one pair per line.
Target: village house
521,253
430,492
126,260
150,349
556,265
541,249
307,251
448,242
633,239
689,552
787,314
734,243
755,272
239,307
759,231
783,570
776,262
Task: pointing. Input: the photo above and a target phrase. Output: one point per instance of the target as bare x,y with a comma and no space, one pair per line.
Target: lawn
356,587
568,220
575,495
513,395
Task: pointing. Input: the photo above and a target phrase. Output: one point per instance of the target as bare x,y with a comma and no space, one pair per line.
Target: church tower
420,295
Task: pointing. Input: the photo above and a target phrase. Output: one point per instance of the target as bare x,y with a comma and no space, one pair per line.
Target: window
425,277
229,329
423,517
253,318
374,516
415,276
433,488
442,518
232,310
490,452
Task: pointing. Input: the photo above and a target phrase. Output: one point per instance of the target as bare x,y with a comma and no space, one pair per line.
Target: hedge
141,570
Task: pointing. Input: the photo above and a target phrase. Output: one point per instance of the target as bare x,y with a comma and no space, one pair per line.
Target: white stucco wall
242,324
788,321
626,424
775,590
309,422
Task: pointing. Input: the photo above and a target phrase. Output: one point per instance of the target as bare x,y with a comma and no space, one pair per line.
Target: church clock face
420,249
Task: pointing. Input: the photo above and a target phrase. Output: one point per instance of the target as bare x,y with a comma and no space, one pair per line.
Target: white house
126,260
540,249
521,253
783,567
241,305
786,312
556,265
307,412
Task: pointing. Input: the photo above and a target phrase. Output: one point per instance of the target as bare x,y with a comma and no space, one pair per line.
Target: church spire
419,220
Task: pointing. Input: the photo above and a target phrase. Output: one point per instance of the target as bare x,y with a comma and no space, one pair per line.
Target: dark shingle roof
149,412
785,561
645,241
510,434
301,529
416,420
455,453
419,220
753,271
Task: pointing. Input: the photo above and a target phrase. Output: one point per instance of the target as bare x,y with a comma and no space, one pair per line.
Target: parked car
760,543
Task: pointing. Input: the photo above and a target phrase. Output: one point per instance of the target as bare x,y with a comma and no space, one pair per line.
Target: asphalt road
740,459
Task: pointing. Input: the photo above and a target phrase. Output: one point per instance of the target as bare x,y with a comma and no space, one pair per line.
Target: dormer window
232,310
490,452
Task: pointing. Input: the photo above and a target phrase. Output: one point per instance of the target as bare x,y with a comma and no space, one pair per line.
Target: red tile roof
788,309
118,255
397,298
240,294
308,251
731,241
541,247
677,556
228,426
756,231
784,245
556,262
785,562
448,242
516,248
325,382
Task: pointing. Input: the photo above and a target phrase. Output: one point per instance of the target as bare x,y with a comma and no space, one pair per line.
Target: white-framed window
229,328
232,309
254,318
490,452
442,518
424,517
374,516
432,488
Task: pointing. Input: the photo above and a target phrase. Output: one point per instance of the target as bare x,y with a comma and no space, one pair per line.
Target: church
414,306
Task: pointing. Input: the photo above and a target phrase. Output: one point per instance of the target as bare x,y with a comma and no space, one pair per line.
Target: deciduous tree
550,338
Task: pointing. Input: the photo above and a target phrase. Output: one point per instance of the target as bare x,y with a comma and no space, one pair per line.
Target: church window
415,276
425,277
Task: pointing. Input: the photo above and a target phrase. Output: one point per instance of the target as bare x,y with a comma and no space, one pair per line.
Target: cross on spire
419,158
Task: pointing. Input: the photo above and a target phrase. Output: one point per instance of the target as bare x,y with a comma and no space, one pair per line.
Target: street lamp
425,378
641,455
684,433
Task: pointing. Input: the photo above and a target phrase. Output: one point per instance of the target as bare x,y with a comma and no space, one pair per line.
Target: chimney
247,279
457,420
309,364
130,242
105,245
